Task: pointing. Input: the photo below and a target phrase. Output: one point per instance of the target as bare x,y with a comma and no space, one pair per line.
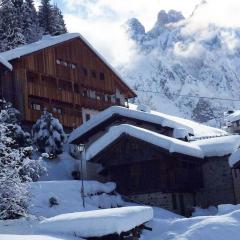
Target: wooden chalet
64,75
142,162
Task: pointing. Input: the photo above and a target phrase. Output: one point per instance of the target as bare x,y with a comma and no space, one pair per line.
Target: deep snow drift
99,222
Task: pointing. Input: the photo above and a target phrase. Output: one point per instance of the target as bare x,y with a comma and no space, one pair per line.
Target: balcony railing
40,90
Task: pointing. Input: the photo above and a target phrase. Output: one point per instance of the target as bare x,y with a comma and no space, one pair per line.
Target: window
58,61
85,92
32,77
57,110
87,116
102,76
64,85
98,96
64,63
84,71
174,201
118,102
72,66
93,74
76,88
36,106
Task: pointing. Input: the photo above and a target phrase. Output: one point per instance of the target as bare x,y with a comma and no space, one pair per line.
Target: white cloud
100,20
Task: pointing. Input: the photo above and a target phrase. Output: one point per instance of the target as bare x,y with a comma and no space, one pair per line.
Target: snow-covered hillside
179,56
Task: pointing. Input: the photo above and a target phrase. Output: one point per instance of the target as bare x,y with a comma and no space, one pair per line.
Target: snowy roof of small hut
45,42
162,119
218,146
171,144
235,116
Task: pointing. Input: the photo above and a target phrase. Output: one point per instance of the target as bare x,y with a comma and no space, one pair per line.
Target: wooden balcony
40,90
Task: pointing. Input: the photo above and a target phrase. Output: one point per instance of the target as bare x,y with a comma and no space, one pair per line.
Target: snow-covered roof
5,63
45,42
98,223
233,117
213,147
219,146
162,119
171,144
234,158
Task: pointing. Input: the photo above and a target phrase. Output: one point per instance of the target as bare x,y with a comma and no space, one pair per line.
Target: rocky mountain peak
171,16
134,28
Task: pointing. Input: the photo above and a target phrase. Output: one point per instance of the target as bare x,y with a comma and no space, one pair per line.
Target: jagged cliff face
177,57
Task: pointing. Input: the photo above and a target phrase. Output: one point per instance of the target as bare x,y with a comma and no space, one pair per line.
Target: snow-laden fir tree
11,32
51,19
31,28
16,168
48,134
59,26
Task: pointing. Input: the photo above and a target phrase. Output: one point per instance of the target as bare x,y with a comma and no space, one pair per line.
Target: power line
189,96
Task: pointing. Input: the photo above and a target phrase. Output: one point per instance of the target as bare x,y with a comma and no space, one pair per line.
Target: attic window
102,76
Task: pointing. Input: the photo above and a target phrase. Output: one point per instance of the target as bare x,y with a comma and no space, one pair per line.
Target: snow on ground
221,227
99,222
68,194
224,225
60,168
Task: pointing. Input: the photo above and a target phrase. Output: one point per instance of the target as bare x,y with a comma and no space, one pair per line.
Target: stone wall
168,201
218,183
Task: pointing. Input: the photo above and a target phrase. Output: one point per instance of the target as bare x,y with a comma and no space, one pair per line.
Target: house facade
63,74
153,164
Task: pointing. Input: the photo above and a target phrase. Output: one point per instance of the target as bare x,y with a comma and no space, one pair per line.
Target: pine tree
59,26
48,134
45,16
31,28
51,19
16,168
11,33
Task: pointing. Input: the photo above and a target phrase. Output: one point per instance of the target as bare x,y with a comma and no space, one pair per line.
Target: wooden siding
63,76
140,167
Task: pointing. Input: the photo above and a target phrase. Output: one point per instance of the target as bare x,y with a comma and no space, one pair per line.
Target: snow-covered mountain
182,56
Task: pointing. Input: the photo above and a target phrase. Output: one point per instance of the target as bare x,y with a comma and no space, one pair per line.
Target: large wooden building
62,74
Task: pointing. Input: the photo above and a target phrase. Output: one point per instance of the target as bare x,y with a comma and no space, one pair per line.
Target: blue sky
101,21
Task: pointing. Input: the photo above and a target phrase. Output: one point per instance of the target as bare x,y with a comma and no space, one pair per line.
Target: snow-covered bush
16,167
48,134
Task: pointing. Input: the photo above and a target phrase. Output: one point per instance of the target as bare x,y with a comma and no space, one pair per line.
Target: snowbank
97,223
168,143
68,194
60,168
